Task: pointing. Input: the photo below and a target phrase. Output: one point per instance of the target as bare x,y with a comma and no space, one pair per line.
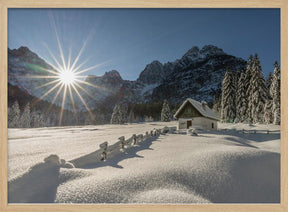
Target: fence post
155,132
122,139
134,139
104,146
267,131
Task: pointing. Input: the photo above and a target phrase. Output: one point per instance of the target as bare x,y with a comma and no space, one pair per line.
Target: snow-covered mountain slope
198,74
222,166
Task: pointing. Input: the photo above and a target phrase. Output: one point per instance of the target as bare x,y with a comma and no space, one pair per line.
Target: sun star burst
66,77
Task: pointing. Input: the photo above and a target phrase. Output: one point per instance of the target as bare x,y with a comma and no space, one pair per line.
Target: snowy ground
224,166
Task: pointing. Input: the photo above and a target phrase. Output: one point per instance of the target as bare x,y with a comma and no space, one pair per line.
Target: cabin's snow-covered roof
207,112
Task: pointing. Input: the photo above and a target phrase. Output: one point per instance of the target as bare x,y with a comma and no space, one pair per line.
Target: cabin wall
198,123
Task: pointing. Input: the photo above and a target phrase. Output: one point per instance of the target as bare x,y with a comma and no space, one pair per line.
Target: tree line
247,97
141,112
25,119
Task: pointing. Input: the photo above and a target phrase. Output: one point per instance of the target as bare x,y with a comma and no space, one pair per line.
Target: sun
67,77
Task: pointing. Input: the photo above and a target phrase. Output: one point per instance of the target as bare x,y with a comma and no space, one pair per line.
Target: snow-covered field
224,166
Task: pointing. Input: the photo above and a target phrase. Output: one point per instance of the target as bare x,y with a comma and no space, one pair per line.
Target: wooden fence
106,151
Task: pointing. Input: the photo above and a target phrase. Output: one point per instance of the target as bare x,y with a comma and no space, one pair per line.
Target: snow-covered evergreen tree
257,92
119,115
131,117
241,99
165,112
247,81
275,94
268,115
115,115
37,119
25,117
217,104
228,110
148,118
14,116
88,119
269,80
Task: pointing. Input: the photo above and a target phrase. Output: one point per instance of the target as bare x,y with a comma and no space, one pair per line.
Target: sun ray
73,104
45,94
92,67
69,59
46,84
81,64
55,97
83,89
88,83
63,104
79,55
82,49
40,77
54,58
35,67
82,100
59,45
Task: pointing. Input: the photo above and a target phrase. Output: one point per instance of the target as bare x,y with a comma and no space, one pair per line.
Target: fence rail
106,151
243,131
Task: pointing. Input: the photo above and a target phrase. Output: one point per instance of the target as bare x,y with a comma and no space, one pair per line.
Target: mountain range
197,74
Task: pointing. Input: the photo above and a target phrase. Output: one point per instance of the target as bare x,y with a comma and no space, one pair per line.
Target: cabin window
212,125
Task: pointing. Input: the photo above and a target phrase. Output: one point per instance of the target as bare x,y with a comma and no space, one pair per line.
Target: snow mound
214,167
224,174
53,159
167,196
37,185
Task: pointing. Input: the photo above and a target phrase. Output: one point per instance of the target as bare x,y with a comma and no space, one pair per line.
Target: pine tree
115,114
88,119
258,92
165,112
25,117
241,99
228,98
14,116
275,94
247,81
269,80
123,113
217,104
37,119
119,115
268,115
131,117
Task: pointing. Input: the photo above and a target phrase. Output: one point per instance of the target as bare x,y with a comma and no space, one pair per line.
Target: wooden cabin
197,115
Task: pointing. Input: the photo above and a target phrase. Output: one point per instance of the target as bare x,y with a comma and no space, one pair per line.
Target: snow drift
213,167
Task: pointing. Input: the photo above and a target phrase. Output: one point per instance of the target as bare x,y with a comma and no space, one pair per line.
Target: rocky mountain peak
211,50
113,75
26,55
152,73
194,51
22,51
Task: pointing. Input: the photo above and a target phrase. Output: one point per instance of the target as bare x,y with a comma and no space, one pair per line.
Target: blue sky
127,40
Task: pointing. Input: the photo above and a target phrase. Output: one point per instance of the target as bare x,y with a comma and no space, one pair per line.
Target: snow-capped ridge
113,74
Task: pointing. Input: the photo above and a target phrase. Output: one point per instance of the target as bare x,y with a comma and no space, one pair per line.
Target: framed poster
143,106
